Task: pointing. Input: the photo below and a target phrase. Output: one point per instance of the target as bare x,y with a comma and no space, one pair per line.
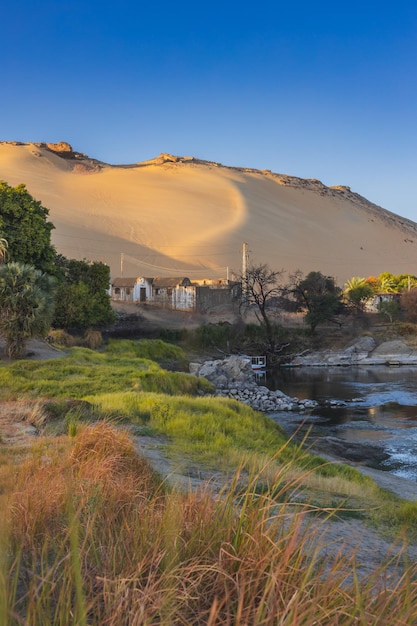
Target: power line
171,270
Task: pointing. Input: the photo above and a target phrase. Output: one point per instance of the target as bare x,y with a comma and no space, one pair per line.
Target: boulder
234,378
392,348
362,351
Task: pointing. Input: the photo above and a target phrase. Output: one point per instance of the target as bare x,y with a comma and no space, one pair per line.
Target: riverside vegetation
91,534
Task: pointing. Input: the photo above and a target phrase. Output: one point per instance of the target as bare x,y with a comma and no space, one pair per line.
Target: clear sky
320,89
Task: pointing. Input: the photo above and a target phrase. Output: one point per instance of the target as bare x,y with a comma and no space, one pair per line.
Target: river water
380,409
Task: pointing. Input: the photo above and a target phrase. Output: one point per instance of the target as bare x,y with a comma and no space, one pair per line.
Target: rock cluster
364,351
234,378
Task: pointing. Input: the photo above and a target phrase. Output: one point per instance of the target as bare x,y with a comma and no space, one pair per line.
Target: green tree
387,283
26,305
83,300
389,308
319,296
406,282
357,292
24,224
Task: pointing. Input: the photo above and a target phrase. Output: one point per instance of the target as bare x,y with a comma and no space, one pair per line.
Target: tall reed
94,537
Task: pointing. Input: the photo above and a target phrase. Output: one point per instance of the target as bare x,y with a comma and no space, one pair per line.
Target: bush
62,338
93,339
406,328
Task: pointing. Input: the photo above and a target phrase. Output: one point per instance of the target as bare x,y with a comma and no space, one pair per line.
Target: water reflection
380,409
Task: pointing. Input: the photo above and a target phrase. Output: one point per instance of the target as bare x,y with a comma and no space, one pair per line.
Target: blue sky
322,89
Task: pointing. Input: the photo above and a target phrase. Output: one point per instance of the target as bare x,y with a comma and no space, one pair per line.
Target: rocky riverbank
363,351
234,378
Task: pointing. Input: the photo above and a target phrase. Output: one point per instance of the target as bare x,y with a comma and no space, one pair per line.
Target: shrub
92,339
62,338
406,328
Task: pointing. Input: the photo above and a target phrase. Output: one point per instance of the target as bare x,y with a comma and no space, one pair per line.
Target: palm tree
353,283
3,249
357,291
26,305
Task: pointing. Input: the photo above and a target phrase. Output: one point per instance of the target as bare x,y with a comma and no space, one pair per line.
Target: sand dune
179,215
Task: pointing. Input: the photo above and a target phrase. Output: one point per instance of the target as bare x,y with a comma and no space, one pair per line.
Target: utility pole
121,264
245,258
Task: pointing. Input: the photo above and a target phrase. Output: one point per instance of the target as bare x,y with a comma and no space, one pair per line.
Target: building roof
169,282
124,282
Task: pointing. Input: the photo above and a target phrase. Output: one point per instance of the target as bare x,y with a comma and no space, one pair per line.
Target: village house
177,293
372,305
131,289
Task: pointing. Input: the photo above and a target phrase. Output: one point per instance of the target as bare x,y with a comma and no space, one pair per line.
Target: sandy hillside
181,216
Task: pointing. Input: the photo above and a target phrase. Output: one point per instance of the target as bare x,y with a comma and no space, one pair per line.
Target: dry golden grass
92,537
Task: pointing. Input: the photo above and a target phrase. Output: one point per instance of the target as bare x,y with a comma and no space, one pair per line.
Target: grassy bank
91,535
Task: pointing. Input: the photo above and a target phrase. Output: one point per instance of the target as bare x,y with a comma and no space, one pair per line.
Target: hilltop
175,215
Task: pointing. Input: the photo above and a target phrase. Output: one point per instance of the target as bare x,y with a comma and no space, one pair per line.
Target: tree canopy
26,305
357,292
318,295
24,225
82,297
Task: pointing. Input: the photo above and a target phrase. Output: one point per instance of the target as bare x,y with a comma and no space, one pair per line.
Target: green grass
205,428
87,372
219,433
153,349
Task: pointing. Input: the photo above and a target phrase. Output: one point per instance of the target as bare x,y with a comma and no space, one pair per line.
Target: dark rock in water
364,453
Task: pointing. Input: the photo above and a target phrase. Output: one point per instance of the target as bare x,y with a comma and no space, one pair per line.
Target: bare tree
260,287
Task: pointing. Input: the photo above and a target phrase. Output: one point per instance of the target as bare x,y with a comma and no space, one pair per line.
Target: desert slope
178,215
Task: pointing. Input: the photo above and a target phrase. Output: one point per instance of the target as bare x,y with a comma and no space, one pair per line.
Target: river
380,410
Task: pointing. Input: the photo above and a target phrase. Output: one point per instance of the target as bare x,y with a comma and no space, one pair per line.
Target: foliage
388,308
387,282
82,298
318,295
24,224
237,338
3,250
93,339
357,292
26,305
